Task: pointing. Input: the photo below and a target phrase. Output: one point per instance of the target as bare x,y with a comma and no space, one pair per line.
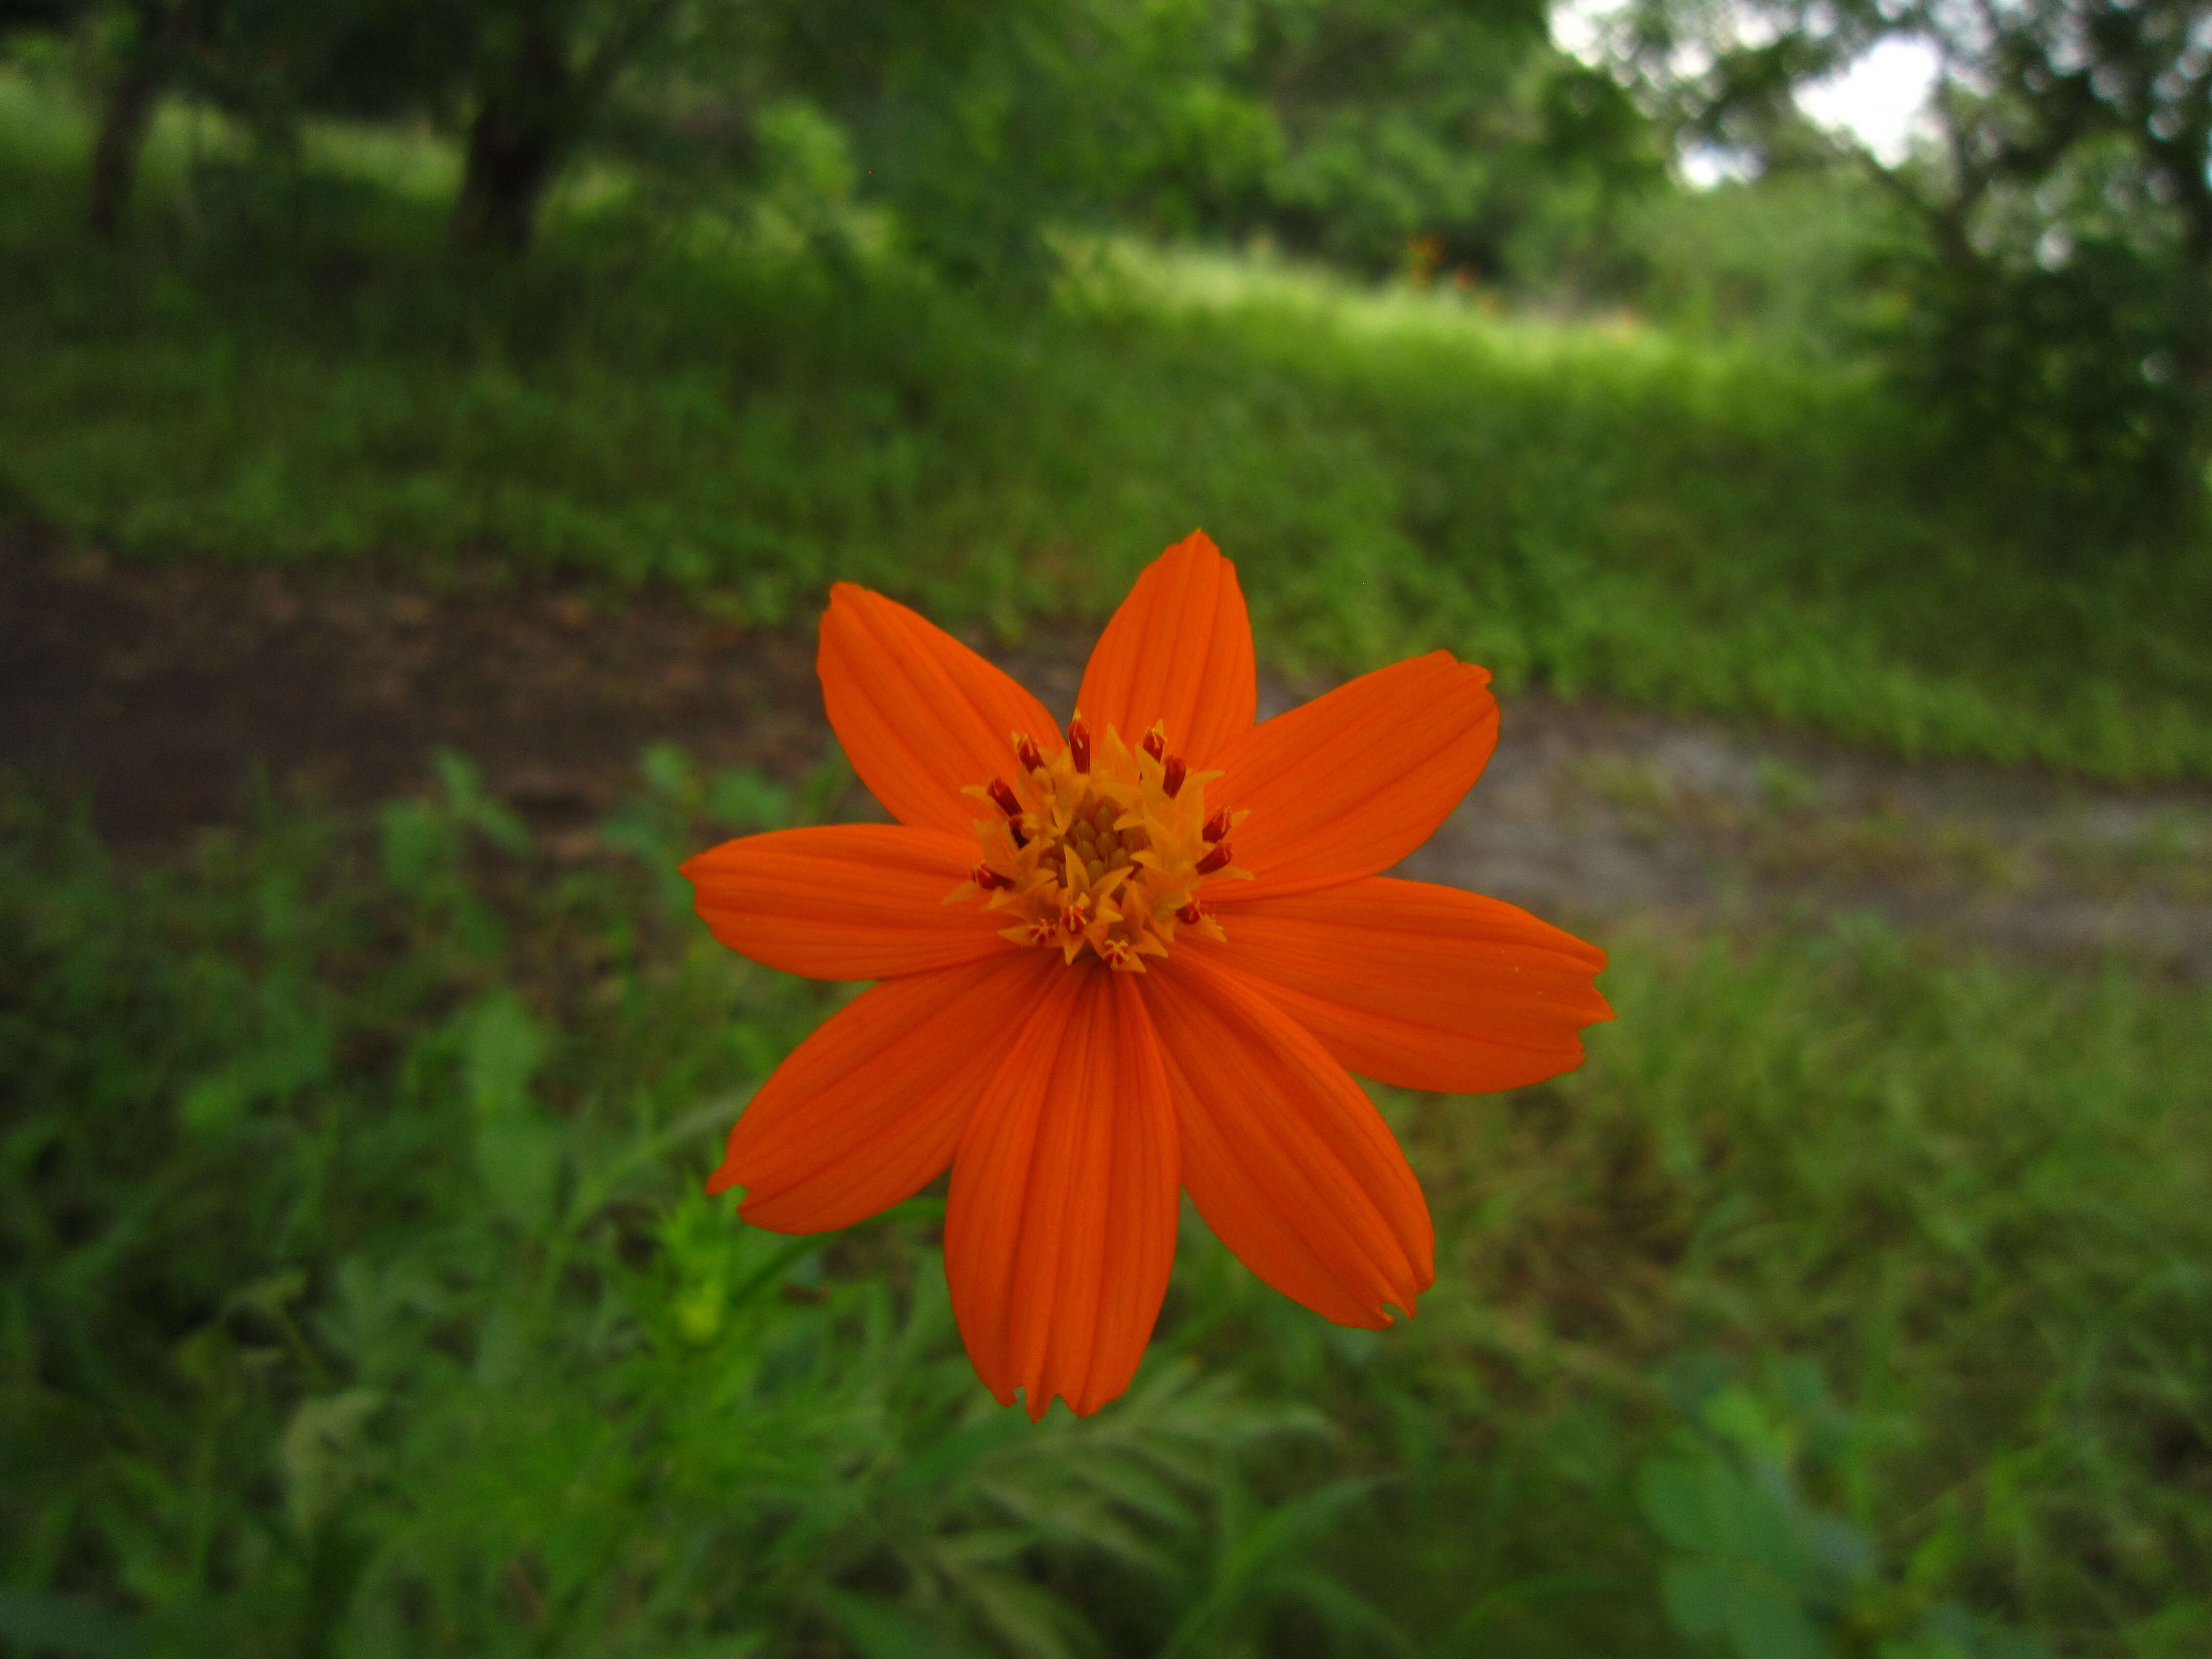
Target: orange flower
1128,961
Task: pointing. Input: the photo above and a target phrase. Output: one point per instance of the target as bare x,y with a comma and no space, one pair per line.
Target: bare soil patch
164,697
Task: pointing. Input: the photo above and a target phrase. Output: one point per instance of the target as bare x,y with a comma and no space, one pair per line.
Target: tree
2063,294
151,44
527,79
1455,121
538,74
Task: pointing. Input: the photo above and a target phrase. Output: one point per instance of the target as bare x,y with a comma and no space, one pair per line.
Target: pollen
1102,851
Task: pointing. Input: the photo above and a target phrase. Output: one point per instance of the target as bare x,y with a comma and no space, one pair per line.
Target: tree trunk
122,128
510,165
521,130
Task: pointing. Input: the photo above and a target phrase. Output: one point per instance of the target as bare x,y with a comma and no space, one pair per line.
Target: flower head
1134,958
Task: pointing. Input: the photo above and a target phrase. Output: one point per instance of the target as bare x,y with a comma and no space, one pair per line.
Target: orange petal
1420,985
1351,782
847,901
1179,649
1288,1161
1062,1221
920,715
867,1110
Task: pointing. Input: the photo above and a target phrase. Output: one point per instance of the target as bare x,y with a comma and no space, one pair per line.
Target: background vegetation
295,365
363,1299
358,1295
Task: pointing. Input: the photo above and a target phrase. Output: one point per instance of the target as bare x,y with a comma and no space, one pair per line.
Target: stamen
1109,841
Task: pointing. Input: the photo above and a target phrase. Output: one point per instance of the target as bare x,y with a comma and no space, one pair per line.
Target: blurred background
427,433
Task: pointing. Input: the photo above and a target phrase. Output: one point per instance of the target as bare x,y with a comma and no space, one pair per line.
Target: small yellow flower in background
1132,959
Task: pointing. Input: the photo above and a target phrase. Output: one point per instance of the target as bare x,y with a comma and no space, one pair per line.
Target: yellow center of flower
1102,849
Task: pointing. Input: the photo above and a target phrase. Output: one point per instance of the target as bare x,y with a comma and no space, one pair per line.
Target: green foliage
1345,125
1605,510
361,1297
1788,260
1962,1193
2073,379
1967,1196
1359,126
2057,264
1759,1565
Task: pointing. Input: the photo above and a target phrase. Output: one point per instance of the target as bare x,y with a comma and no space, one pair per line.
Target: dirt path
161,694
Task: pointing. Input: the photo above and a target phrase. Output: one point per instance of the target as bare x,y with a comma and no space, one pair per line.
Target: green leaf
215,1104
1759,1614
320,1453
421,847
471,804
1697,1594
1673,1501
518,1161
953,1456
32,1621
501,1052
743,798
518,1153
668,772
877,1631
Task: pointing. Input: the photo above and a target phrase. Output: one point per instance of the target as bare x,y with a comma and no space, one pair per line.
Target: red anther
1014,829
1216,826
1189,913
1173,782
1156,745
1027,751
1071,918
987,879
1079,743
1009,803
1217,860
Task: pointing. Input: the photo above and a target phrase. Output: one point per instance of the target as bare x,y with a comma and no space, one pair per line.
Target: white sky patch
1578,27
1704,166
1882,99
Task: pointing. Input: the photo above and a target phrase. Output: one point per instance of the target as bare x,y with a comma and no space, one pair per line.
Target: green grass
358,1296
293,368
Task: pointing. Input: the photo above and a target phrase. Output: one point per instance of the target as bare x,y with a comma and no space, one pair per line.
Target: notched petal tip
1287,1160
1423,986
1059,1229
